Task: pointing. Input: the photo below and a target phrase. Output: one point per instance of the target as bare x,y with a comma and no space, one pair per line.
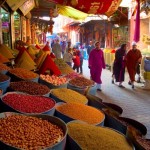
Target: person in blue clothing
90,47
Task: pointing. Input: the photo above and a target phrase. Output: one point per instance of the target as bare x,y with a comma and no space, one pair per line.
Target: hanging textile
71,12
107,7
137,23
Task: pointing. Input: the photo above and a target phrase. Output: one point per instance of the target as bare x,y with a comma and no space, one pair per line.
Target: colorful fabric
132,60
96,63
71,12
107,7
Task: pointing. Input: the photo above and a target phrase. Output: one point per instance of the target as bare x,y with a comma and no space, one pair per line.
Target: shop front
5,26
17,26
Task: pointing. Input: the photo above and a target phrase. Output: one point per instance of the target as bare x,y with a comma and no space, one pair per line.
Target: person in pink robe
96,64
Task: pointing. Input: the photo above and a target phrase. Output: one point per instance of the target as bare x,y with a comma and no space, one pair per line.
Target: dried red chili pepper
28,103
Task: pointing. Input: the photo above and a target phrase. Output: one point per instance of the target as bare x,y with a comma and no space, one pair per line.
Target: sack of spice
39,132
24,74
53,81
24,103
29,87
81,82
67,95
82,112
90,137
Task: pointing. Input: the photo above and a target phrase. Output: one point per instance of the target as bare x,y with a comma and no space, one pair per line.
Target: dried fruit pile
28,87
81,112
68,96
23,73
29,133
54,79
3,67
97,138
3,78
81,82
28,103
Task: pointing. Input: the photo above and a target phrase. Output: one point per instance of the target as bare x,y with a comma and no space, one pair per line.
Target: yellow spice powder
81,112
97,138
68,96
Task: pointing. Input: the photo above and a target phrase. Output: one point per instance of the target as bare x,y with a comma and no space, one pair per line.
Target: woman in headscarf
96,64
119,65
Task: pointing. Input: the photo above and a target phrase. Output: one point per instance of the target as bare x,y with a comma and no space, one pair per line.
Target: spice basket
67,119
71,143
143,145
115,124
137,125
59,146
112,112
95,101
81,90
19,87
6,107
52,86
135,131
58,99
4,85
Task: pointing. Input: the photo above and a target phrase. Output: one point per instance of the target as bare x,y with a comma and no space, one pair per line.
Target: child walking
76,61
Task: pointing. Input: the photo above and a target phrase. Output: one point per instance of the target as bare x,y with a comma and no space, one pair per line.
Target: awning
107,7
15,4
71,12
27,6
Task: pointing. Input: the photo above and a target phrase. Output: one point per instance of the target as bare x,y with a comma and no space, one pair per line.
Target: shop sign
146,39
15,4
27,7
107,7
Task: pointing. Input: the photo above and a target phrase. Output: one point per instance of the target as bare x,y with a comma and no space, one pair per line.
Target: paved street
135,103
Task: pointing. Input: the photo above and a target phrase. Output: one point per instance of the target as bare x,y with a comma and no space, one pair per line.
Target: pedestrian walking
76,61
119,65
90,47
96,64
68,57
56,49
79,53
133,58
